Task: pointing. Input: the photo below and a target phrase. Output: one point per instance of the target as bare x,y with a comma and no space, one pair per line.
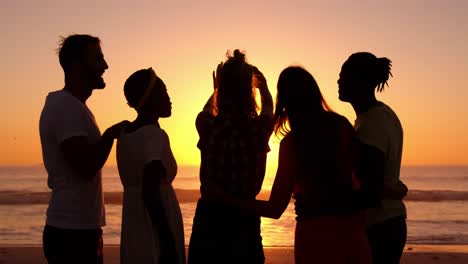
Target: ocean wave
16,197
438,222
436,195
187,196
439,239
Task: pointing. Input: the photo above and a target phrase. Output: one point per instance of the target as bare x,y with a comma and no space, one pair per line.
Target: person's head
81,56
298,99
361,75
147,94
235,94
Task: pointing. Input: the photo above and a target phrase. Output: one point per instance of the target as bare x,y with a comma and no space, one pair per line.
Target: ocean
436,204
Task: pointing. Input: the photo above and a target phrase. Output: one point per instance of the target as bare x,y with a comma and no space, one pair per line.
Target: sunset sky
184,41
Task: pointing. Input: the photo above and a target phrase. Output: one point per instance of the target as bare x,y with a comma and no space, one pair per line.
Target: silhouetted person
234,145
315,167
381,136
152,227
74,152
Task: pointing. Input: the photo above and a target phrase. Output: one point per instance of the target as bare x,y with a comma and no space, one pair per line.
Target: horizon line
197,165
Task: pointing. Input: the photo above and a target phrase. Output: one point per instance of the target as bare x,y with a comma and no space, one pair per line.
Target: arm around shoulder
88,158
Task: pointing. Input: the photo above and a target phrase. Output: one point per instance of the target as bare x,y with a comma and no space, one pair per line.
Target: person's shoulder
388,110
203,118
290,138
381,109
63,99
383,115
54,98
162,133
290,143
153,130
153,134
205,115
61,103
337,117
339,120
59,95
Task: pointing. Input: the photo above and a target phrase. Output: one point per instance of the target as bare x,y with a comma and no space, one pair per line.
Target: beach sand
414,254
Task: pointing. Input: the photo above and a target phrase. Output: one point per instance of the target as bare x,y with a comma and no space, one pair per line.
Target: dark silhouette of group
345,179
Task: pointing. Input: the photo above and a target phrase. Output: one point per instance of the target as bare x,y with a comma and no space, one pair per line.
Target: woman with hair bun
380,134
233,145
152,227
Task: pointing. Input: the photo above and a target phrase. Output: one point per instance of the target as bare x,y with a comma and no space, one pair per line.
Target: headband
148,89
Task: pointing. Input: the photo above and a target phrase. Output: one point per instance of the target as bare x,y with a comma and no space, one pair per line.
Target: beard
92,76
97,82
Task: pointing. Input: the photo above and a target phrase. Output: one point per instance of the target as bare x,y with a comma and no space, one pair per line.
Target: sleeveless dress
139,238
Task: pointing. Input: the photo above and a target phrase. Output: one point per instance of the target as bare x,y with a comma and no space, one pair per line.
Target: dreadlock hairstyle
369,68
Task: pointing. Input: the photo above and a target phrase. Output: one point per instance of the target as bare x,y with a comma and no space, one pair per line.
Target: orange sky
184,40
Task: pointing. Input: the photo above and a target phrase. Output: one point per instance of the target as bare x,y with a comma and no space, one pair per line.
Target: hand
402,188
397,192
216,75
115,130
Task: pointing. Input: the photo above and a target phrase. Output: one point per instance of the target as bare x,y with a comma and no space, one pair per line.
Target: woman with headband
152,227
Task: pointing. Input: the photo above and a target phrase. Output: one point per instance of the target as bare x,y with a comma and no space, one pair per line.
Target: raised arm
267,100
88,158
209,105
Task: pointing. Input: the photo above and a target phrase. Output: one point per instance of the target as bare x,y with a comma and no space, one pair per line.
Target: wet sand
414,254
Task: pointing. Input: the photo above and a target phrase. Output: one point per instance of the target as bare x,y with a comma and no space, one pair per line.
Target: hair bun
238,55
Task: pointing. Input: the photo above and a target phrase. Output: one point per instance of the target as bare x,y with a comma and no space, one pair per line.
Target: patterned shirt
233,152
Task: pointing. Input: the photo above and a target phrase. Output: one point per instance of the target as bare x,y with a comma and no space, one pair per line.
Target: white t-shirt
76,203
137,149
381,128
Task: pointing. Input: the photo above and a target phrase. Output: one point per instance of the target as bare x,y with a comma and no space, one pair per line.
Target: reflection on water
274,232
23,224
279,232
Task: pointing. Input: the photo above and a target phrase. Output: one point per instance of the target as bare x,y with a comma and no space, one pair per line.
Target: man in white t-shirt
74,152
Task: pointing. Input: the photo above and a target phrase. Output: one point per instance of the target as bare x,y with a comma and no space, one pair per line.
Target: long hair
235,95
367,67
298,100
